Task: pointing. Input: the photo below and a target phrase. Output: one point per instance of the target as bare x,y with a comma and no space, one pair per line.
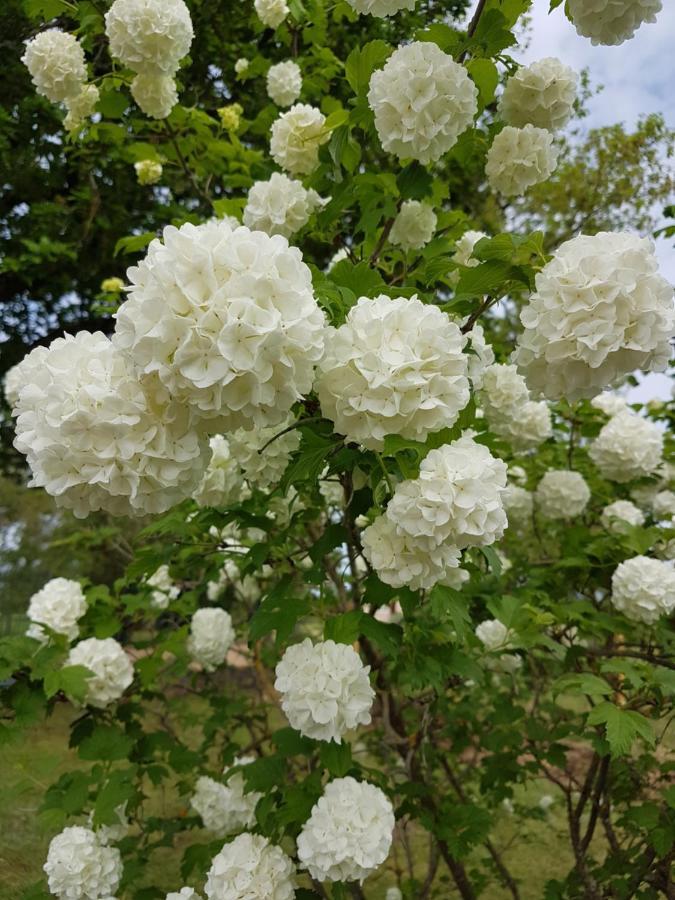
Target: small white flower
561,494
55,60
643,589
627,447
149,36
463,256
414,225
520,158
663,505
493,634
540,94
59,605
481,356
222,483
241,66
225,808
611,22
163,588
284,82
518,504
609,404
79,867
148,171
264,453
271,12
545,802
211,636
112,669
296,138
250,868
156,94
621,512
81,107
280,205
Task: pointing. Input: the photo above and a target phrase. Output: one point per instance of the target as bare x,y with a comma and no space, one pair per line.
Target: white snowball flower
325,689
600,311
280,206
414,225
211,636
225,808
463,256
663,505
250,868
519,158
380,8
518,505
644,496
222,483
263,468
611,22
148,171
643,589
422,101
396,366
149,36
81,107
562,494
55,60
284,82
59,605
296,138
228,321
609,404
482,355
621,512
510,414
627,447
545,802
19,375
163,588
241,66
156,94
112,669
540,94
186,893
506,664
503,388
96,439
493,634
517,475
271,12
348,833
79,867
531,428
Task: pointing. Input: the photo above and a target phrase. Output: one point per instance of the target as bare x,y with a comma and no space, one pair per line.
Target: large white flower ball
80,867
55,60
600,311
156,94
380,8
643,589
503,387
422,101
325,689
225,808
59,605
280,205
112,669
620,513
211,636
96,439
284,82
222,483
663,504
227,320
562,494
414,225
540,94
250,868
81,107
348,833
149,36
529,429
493,634
264,453
271,12
519,158
296,138
611,22
609,404
627,447
518,505
505,399
396,366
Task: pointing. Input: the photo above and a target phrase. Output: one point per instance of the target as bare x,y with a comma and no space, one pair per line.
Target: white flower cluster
250,868
225,808
482,355
663,505
380,8
414,225
55,60
643,589
493,634
112,669
271,12
609,404
241,66
211,636
280,205
619,513
600,311
96,439
396,366
262,468
348,833
80,867
561,494
81,107
59,605
541,94
222,482
246,586
325,689
296,138
518,505
164,590
422,101
611,22
186,893
148,171
156,95
519,158
524,423
227,320
627,447
284,82
463,255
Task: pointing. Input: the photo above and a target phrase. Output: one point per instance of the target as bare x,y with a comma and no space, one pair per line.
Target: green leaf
486,78
118,789
278,612
45,9
361,279
361,63
388,637
583,683
450,605
264,774
72,680
492,277
343,629
337,758
133,243
447,38
622,727
415,182
106,742
493,560
289,742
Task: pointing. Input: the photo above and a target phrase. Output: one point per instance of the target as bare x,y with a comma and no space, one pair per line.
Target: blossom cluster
505,398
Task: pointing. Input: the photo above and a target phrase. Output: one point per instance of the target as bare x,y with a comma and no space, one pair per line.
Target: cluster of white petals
271,12
561,494
519,158
185,893
621,512
262,468
55,60
325,689
112,669
149,36
643,589
493,634
348,833
148,171
241,66
627,447
414,225
59,605
396,366
164,590
611,22
663,505
81,107
380,8
227,320
250,868
211,636
222,483
225,808
280,205
518,505
609,404
503,389
600,311
482,355
504,396
284,82
296,138
246,586
156,95
422,101
463,255
96,439
517,475
80,867
541,94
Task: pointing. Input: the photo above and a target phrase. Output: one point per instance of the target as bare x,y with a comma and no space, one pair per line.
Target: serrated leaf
134,243
622,727
343,629
106,742
337,758
486,78
361,63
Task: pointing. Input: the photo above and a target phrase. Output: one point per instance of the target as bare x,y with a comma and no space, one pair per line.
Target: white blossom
393,893
482,355
503,388
59,605
611,21
627,447
518,505
55,60
545,802
271,12
280,205
517,475
241,66
493,634
519,158
663,505
510,414
422,101
148,171
561,494
185,893
643,589
414,225
396,366
222,483
380,8
619,513
211,636
263,468
80,867
81,107
348,833
149,36
112,669
540,94
463,256
609,404
225,807
156,94
284,82
296,138
163,588
505,663
250,868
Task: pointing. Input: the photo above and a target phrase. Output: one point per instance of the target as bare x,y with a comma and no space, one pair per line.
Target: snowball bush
296,138
643,589
263,454
163,588
627,447
79,867
284,82
250,868
621,513
611,21
112,669
561,494
280,205
149,36
414,225
271,12
55,60
541,94
211,636
155,94
518,505
222,482
519,158
59,605
493,634
225,808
